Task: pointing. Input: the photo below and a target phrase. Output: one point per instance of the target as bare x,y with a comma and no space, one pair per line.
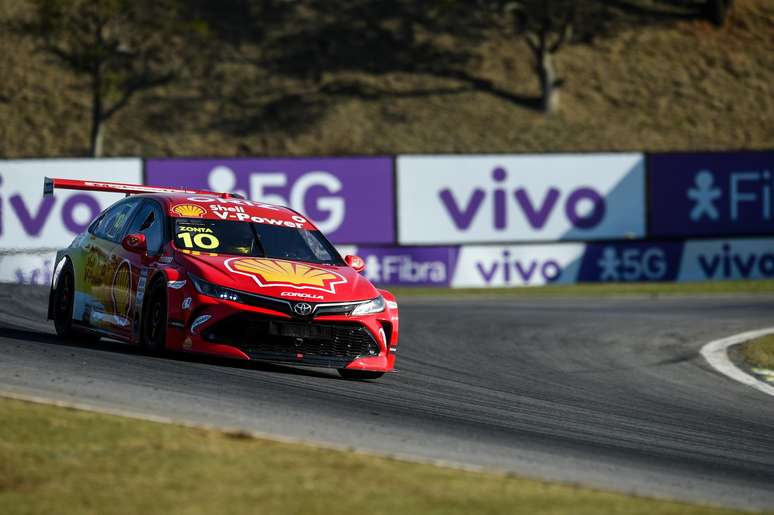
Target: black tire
154,318
359,374
64,299
64,296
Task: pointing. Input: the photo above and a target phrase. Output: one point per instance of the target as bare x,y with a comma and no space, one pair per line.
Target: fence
454,220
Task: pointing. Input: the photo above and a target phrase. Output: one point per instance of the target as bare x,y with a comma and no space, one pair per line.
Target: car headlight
214,290
372,306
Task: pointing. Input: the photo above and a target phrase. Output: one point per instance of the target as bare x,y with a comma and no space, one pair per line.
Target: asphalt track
609,392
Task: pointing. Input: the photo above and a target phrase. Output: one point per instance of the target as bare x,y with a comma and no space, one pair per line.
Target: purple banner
349,199
409,266
711,194
630,262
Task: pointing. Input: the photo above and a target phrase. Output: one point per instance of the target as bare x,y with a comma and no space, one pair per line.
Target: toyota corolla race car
213,273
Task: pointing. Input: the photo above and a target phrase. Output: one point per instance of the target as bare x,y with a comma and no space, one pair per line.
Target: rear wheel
64,294
154,320
64,299
359,374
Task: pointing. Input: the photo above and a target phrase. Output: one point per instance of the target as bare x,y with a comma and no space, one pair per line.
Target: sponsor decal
457,199
175,285
121,289
187,303
189,210
301,295
712,194
274,272
349,199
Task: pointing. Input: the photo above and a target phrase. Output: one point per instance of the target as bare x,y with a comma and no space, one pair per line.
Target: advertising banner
27,268
502,198
481,266
711,194
349,199
636,261
29,221
713,260
409,266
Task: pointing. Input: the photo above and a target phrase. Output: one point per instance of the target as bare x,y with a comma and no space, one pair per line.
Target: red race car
213,273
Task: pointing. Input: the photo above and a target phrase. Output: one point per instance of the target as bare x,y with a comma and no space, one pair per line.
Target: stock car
214,273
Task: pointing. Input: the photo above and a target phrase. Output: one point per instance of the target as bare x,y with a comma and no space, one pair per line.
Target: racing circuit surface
608,392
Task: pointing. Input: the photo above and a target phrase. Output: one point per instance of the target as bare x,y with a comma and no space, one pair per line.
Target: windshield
253,239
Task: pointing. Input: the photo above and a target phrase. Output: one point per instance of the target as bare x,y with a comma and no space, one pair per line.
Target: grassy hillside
677,85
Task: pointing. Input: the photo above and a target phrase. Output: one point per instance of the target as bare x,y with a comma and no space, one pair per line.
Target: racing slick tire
359,374
64,298
154,319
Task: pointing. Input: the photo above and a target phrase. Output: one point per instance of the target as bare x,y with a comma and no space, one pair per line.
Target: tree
119,47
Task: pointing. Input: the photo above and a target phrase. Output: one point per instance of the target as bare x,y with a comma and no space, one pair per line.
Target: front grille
333,345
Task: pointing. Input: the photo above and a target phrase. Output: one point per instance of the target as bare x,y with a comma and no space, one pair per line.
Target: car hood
281,278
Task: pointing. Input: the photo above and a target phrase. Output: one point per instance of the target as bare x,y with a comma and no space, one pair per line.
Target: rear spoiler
50,184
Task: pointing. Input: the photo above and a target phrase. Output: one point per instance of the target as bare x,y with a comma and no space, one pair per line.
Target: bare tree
119,47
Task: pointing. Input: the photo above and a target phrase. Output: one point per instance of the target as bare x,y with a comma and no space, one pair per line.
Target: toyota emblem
302,309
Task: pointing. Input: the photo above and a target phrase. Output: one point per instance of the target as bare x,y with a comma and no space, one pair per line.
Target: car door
134,269
105,267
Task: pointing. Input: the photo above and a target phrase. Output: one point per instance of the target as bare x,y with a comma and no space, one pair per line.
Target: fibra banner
711,194
509,198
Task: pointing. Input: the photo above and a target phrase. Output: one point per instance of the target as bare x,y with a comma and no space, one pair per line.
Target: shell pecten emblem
274,272
189,210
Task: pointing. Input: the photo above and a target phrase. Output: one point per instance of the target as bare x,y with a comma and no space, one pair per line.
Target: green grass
605,289
759,353
58,460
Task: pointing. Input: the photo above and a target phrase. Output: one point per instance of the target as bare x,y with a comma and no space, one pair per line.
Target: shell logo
189,210
121,289
273,272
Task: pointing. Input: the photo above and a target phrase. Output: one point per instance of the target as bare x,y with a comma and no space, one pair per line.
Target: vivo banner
349,199
493,198
29,221
711,194
712,260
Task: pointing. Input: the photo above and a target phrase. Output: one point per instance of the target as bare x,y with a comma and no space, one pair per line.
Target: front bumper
228,329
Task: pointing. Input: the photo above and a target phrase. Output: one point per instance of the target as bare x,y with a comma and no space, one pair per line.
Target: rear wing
50,184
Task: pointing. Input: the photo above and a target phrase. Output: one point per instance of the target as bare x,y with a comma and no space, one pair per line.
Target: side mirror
135,243
356,262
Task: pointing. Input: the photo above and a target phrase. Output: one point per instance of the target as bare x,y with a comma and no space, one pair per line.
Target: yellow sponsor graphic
273,272
189,210
121,290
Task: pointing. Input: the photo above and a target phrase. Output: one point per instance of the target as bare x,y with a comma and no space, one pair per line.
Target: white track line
716,354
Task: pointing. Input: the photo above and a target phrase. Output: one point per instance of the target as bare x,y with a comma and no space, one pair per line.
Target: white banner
30,221
509,198
517,265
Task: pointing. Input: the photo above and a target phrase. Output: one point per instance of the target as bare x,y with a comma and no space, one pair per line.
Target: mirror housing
135,243
355,262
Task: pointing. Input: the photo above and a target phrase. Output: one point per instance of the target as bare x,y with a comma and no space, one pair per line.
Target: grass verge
59,460
759,353
603,289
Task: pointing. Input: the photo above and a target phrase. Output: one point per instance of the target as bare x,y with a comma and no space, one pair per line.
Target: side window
150,222
114,221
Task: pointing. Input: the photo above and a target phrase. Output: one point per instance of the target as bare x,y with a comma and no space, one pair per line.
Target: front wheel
347,373
154,320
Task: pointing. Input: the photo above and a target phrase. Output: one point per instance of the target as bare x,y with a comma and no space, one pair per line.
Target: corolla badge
274,272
